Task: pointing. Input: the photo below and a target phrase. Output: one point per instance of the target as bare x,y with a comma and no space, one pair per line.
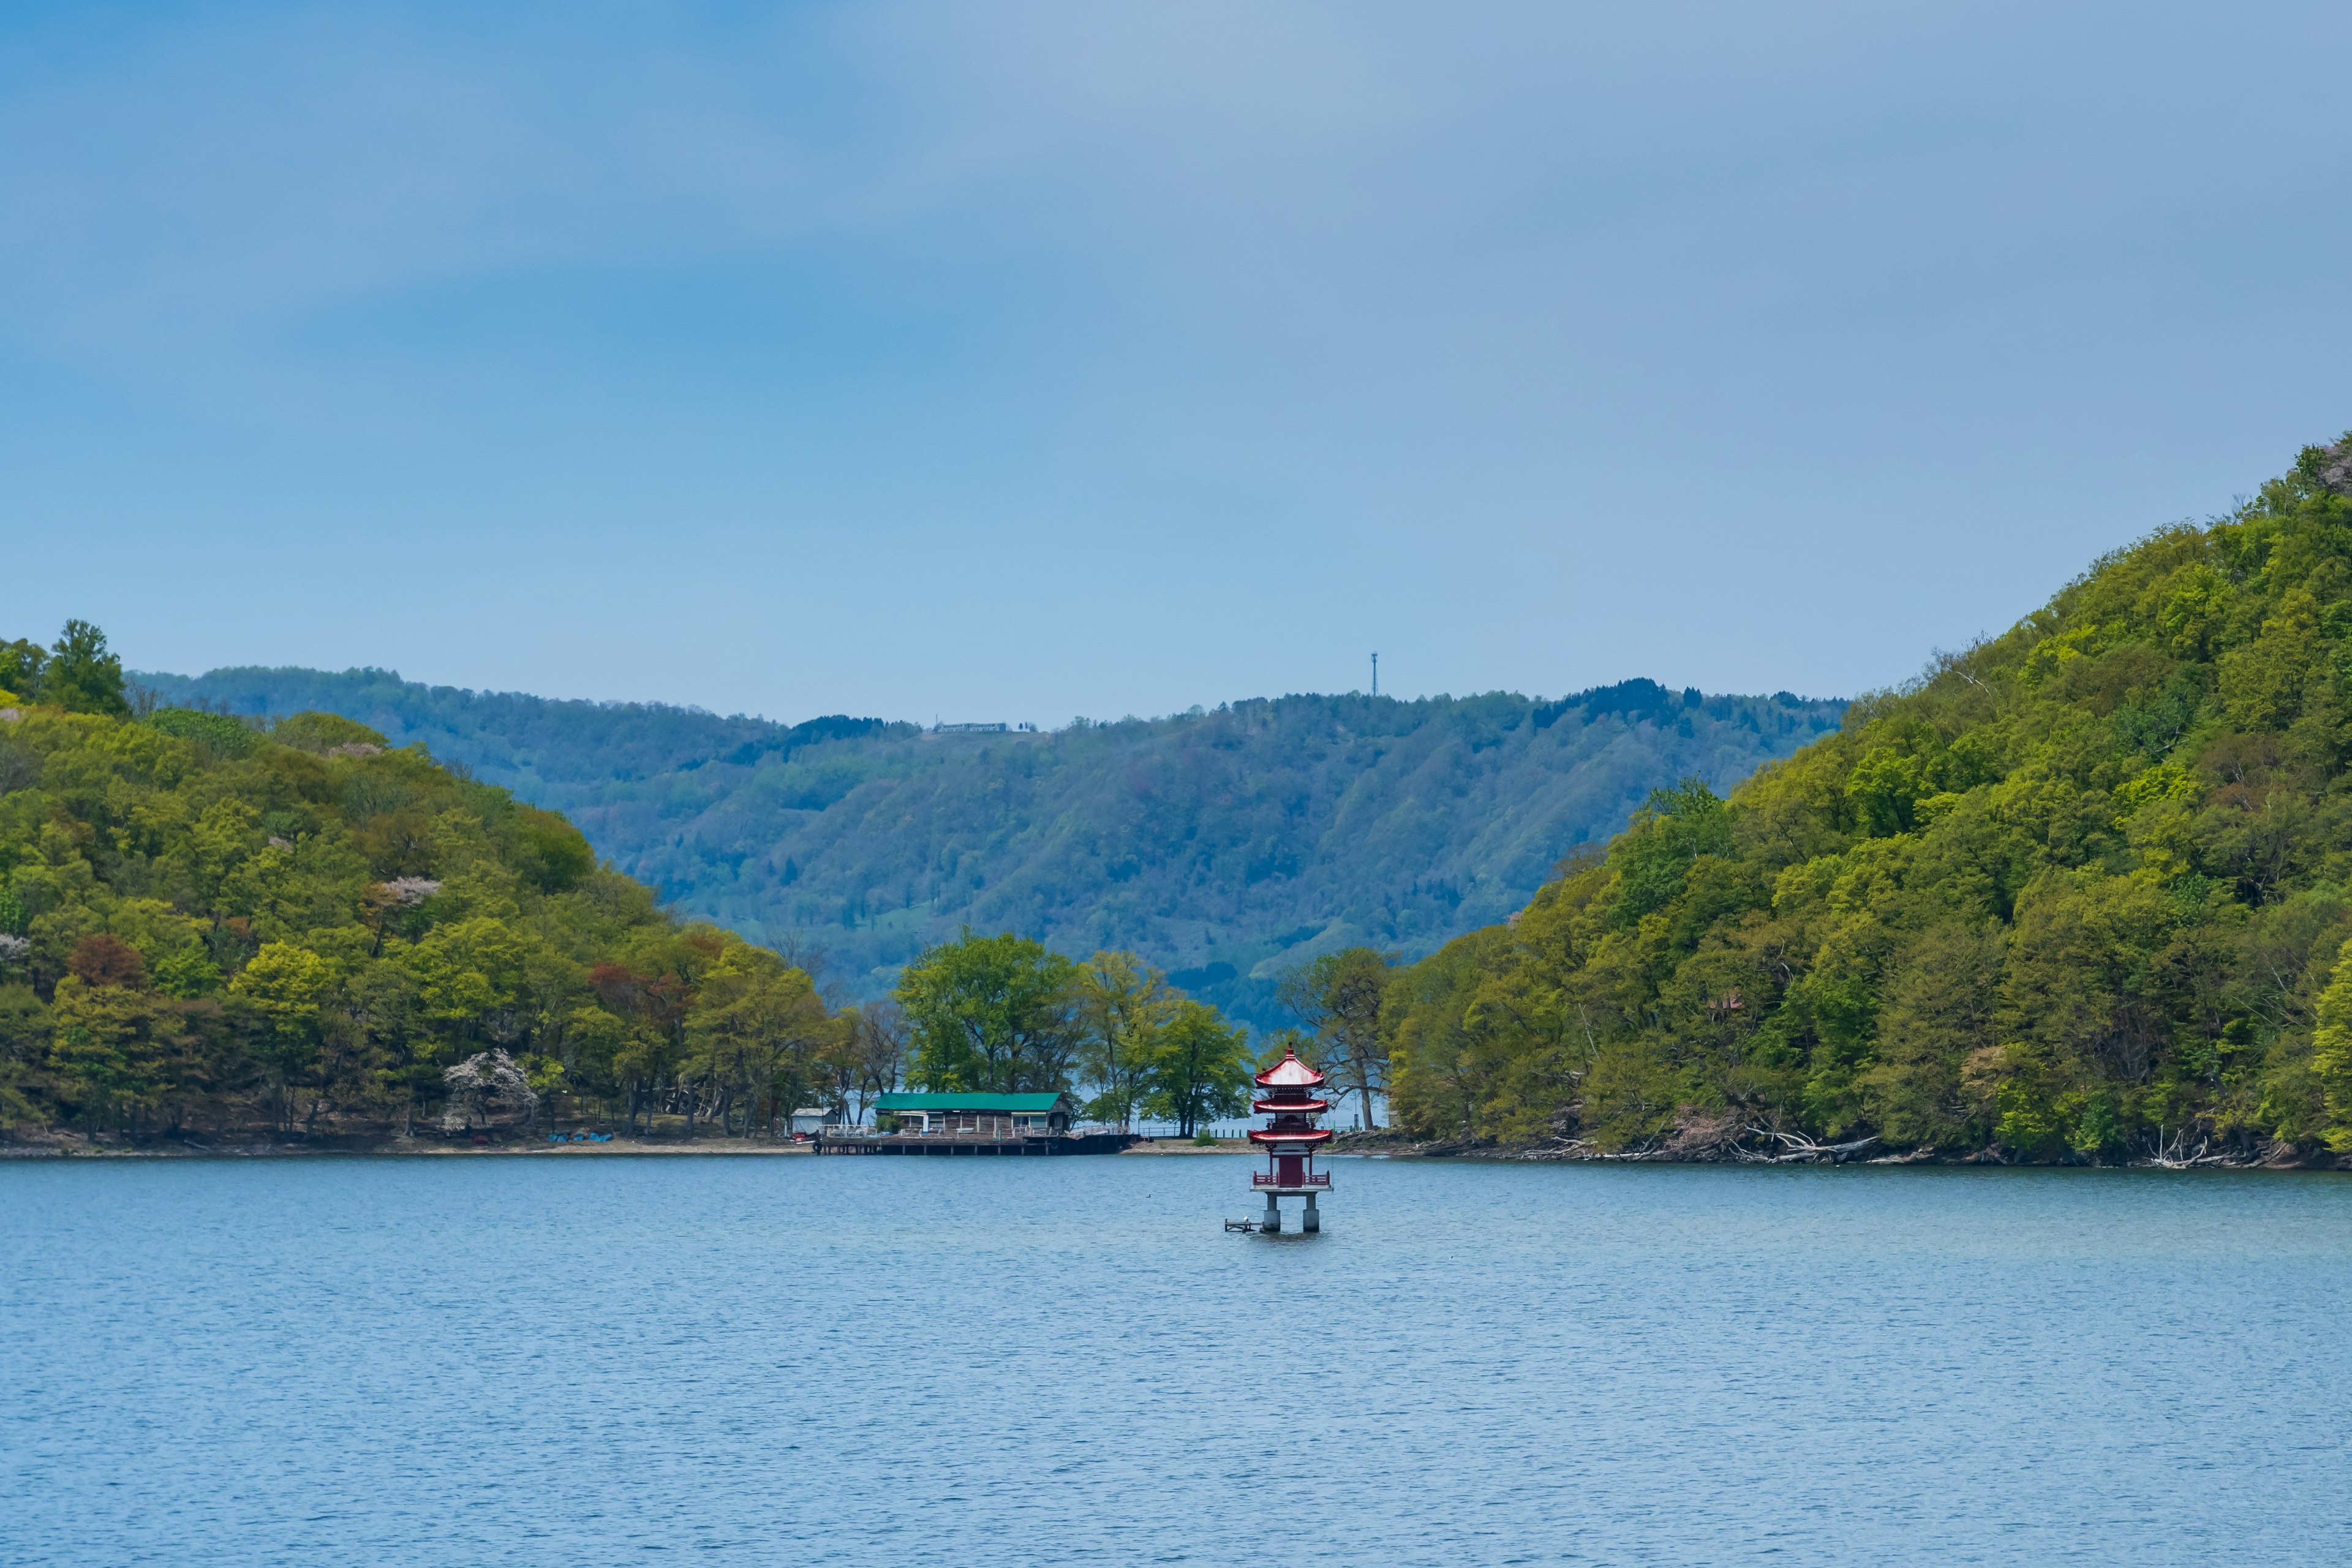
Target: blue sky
1017,361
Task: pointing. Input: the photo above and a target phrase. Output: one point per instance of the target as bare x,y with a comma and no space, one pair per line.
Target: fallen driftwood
2172,1153
1580,1149
1714,1142
1563,1148
1797,1149
1712,1137
2177,1161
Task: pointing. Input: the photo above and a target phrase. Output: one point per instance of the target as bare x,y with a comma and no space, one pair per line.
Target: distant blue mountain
1222,846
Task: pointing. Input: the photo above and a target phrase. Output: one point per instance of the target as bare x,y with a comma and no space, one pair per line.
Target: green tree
2331,1057
281,989
549,851
27,1037
1937,1041
105,1056
1122,1005
1449,1046
1201,1068
1654,856
1339,996
81,676
466,971
756,1036
20,668
990,1013
875,1055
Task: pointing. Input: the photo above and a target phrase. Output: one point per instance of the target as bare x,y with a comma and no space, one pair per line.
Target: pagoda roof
1290,1073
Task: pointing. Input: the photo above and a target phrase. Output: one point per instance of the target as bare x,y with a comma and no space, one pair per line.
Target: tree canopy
77,673
1223,847
212,924
2081,891
990,1013
1005,1012
221,924
1339,996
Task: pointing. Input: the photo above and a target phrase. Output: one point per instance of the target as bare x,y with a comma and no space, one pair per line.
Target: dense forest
1225,846
213,926
2083,891
203,926
2080,892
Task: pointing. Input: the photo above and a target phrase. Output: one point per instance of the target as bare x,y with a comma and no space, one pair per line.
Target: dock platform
843,1140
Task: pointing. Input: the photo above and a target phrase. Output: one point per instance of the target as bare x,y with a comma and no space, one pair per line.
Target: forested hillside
1225,847
2083,891
208,928
212,926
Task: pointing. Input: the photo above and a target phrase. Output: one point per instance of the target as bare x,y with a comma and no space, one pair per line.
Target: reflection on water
504,1361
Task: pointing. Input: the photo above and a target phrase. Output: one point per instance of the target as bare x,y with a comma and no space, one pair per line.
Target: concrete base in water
1272,1224
1310,1221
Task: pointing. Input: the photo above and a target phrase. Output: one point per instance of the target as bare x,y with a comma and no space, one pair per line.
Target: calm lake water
501,1361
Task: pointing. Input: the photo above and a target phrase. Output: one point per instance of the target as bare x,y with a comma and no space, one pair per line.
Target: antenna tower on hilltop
1376,675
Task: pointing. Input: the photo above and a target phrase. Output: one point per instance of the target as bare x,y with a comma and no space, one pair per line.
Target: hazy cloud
1548,344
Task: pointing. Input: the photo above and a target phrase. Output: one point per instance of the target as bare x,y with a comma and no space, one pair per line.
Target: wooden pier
973,1123
863,1141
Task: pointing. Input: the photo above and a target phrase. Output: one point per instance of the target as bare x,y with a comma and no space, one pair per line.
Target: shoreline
1386,1146
1375,1147
343,1147
66,1147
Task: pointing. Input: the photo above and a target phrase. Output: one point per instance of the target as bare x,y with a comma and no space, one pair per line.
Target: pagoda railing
1320,1179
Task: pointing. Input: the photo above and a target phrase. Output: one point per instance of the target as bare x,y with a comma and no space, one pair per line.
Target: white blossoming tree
486,1091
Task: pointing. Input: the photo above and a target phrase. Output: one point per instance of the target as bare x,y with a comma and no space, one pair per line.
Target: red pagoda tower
1288,1093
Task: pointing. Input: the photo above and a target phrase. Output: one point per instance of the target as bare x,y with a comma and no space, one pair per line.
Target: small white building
808,1119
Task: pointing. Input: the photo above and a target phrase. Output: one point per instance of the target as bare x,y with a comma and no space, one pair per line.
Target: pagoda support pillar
1272,1224
1310,1222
